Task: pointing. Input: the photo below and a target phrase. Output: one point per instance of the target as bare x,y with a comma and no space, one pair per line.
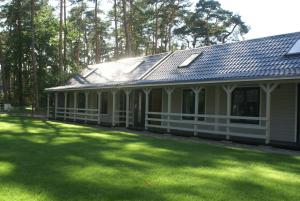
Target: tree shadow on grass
67,162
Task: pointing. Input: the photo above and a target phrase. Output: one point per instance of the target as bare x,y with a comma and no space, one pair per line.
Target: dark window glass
104,103
245,102
81,101
122,105
188,106
201,107
188,103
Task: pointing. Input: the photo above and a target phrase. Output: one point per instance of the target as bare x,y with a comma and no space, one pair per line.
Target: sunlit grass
44,160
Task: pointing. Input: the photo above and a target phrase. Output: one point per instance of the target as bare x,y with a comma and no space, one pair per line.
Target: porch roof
257,59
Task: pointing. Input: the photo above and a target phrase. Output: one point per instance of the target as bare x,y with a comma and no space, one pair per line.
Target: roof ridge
238,42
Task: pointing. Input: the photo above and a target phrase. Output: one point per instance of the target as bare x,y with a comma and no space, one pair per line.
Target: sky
265,17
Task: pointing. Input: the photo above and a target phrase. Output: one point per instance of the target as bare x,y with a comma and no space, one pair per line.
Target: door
139,109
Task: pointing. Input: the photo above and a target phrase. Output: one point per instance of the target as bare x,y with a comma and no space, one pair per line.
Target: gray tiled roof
258,58
117,71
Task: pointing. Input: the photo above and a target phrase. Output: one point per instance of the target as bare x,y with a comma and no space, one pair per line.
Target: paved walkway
260,148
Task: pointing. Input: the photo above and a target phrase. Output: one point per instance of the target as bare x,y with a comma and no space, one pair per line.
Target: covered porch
264,112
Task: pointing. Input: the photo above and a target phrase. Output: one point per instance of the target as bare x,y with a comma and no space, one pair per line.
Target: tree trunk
33,59
19,54
60,60
156,29
128,50
116,52
97,47
65,37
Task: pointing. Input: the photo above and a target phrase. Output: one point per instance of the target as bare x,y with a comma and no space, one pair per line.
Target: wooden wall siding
283,113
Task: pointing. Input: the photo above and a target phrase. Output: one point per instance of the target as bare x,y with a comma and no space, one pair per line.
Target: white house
246,91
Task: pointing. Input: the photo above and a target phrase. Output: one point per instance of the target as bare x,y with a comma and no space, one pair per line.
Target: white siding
283,112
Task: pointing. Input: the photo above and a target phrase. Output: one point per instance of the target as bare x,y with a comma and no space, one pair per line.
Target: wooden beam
147,92
228,89
65,105
75,105
217,106
114,92
56,103
169,91
86,106
127,92
268,88
99,107
48,105
196,90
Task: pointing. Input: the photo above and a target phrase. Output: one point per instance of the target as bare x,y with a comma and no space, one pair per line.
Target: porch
255,111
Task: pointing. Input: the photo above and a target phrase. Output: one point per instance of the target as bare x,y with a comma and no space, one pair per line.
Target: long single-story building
245,91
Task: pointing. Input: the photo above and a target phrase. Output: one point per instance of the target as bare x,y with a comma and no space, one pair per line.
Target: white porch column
114,93
75,105
268,88
217,106
196,90
147,92
127,92
99,107
48,105
169,92
228,89
56,103
86,106
65,105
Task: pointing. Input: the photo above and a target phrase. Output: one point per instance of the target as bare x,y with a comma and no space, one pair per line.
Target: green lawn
43,160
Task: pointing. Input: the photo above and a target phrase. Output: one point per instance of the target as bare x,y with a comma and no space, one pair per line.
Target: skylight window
189,60
295,49
131,66
88,73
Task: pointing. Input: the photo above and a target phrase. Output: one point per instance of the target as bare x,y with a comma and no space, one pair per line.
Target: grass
44,160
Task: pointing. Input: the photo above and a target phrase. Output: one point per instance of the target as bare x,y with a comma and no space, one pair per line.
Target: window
295,49
104,103
189,60
122,103
81,101
245,102
188,104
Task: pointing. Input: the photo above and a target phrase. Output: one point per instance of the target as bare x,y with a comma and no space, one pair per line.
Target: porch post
169,92
217,106
114,92
86,106
99,107
147,92
196,90
228,89
48,105
65,105
268,88
56,103
127,92
75,105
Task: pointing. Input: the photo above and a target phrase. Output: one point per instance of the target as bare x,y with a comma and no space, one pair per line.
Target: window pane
188,106
104,103
201,107
245,102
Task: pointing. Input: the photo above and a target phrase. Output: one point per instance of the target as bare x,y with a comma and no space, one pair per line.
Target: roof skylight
295,49
189,60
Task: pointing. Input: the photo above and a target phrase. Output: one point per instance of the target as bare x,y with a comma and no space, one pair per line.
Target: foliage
43,46
210,24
